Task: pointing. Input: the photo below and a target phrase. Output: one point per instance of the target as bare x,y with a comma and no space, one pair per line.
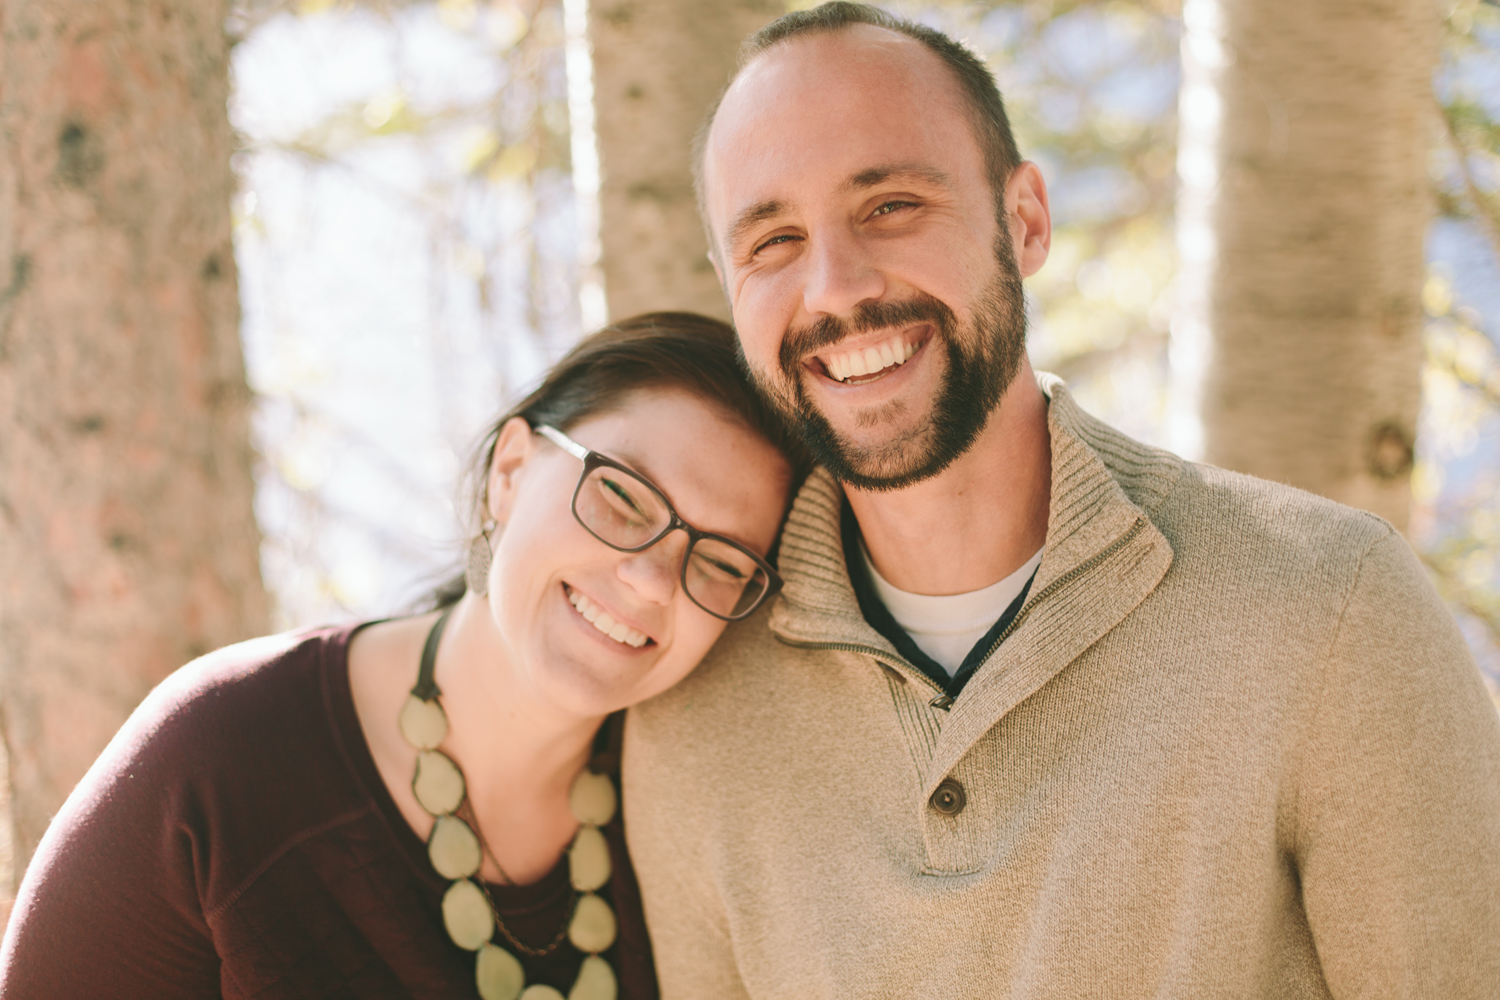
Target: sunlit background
412,251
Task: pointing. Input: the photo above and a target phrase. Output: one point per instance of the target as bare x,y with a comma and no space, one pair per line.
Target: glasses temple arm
564,442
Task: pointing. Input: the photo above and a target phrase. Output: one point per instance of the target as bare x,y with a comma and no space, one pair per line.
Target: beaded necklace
457,853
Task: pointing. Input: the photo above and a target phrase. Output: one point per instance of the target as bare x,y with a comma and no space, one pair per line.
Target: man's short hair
976,83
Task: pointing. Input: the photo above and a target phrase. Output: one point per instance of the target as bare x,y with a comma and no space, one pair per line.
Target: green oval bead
498,974
423,723
588,859
596,981
540,992
592,928
592,798
453,849
466,914
438,783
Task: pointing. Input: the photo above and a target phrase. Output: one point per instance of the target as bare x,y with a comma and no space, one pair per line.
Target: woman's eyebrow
634,462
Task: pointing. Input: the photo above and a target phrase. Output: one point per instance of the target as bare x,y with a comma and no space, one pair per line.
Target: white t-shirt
947,627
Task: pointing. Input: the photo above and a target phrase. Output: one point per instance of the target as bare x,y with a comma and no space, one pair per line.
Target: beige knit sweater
1233,746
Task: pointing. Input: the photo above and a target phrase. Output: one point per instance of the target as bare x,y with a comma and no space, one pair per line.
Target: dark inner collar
879,617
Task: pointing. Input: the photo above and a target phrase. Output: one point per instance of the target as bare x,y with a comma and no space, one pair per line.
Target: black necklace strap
427,688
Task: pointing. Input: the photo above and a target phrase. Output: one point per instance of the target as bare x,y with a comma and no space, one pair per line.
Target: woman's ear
513,447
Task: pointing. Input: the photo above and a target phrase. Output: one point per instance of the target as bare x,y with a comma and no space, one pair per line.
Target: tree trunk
658,65
127,541
1303,206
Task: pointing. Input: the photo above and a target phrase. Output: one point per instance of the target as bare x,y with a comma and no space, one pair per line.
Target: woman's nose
653,573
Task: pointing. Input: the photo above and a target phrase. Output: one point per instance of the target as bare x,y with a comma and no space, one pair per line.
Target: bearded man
1042,711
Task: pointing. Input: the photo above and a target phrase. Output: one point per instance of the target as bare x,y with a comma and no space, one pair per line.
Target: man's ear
1029,217
514,446
713,259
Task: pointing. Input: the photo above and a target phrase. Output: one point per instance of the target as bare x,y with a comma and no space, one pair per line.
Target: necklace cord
426,687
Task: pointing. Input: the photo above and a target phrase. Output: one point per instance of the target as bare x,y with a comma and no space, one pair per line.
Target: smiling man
1042,711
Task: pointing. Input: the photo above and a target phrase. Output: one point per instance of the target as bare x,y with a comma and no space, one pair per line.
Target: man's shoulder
749,674
1267,545
1231,514
737,660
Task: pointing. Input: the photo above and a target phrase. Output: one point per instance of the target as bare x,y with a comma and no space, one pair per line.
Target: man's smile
859,365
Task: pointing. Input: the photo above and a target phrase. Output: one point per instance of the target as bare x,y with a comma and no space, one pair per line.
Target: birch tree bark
1303,205
127,541
658,65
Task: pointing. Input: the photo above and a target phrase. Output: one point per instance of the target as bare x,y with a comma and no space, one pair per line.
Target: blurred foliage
1470,188
408,248
1457,479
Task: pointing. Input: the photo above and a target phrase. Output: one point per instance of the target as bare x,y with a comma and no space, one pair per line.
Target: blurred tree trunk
658,65
127,542
1304,202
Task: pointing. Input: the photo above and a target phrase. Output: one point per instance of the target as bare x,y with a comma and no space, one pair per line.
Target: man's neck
978,520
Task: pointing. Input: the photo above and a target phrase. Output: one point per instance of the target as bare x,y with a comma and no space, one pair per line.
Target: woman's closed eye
719,569
622,500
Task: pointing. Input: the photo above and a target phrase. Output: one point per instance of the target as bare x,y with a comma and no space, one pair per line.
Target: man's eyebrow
750,217
895,172
761,211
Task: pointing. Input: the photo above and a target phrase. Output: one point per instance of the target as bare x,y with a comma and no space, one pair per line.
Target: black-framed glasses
626,511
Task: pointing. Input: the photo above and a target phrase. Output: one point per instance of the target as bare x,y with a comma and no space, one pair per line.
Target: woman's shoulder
251,664
228,702
250,736
228,760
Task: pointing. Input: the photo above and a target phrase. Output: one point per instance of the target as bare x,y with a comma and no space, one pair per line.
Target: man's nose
841,273
653,573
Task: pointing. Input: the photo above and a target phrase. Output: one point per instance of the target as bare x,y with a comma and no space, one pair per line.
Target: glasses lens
620,508
722,578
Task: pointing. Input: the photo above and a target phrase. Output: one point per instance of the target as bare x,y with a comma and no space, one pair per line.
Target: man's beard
983,359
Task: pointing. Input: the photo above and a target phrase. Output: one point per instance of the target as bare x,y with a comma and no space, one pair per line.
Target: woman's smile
605,623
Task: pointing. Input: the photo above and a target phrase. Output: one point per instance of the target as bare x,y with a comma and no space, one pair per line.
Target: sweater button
949,799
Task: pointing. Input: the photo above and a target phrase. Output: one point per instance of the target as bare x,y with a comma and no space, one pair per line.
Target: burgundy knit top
236,840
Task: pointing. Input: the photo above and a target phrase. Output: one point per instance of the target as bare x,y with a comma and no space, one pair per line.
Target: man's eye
780,238
891,206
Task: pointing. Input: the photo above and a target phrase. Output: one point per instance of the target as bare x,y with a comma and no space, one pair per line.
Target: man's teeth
605,622
852,364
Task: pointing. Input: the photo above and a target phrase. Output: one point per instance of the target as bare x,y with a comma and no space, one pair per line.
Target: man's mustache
867,316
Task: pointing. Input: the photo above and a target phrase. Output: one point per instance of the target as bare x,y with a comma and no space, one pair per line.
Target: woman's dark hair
662,350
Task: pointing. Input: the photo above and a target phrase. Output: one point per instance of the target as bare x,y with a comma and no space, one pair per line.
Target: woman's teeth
868,361
604,622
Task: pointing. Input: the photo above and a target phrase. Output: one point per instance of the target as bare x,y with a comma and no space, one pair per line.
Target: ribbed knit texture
1232,747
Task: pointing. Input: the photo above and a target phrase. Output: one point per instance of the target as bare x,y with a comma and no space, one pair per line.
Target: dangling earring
477,573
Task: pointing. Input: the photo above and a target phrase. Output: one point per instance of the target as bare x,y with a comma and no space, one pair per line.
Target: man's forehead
842,58
834,81
854,41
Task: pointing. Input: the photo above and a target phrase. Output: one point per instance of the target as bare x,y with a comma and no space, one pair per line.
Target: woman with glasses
427,806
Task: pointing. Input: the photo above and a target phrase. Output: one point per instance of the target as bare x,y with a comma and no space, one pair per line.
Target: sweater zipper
943,701
1067,577
874,653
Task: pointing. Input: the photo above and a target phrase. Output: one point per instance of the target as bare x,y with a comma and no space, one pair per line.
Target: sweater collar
1104,488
